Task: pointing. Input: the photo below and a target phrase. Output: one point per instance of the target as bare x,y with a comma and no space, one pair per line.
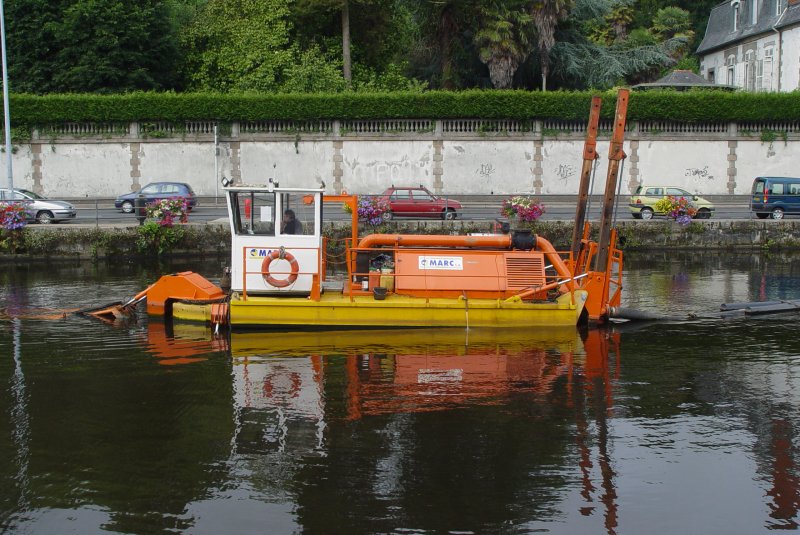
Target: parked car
419,202
40,208
643,200
156,191
775,196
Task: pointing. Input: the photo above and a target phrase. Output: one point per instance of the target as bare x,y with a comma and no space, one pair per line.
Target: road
482,208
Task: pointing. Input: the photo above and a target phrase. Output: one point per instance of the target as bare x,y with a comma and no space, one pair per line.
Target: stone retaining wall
73,242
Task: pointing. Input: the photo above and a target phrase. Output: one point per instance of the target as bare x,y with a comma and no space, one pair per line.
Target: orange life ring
283,255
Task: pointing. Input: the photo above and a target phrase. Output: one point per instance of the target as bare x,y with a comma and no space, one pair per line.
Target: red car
419,202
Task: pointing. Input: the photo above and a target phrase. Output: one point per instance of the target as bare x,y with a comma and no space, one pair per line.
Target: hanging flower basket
169,211
371,210
679,209
522,209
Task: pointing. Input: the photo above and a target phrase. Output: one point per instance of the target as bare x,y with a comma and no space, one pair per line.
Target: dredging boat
279,267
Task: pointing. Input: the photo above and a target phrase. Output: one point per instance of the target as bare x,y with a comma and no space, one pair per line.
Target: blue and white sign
258,253
455,263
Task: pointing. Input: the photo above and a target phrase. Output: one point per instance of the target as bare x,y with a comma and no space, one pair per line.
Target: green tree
504,41
674,24
91,46
365,38
546,16
239,45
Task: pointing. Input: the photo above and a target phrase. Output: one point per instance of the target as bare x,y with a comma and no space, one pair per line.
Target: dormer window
735,6
753,11
780,5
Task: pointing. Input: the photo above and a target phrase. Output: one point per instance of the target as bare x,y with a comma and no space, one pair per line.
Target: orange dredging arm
184,285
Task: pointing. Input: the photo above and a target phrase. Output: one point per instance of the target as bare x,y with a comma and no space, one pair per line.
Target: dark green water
679,427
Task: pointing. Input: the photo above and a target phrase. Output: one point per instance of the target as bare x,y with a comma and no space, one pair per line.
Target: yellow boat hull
342,311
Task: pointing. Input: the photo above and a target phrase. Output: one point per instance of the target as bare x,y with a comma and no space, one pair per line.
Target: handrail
245,272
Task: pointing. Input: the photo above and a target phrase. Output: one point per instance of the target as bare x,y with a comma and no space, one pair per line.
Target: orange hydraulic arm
589,157
615,156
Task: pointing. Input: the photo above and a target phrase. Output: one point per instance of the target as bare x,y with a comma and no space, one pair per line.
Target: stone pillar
136,174
338,168
36,162
438,168
537,167
731,184
633,173
236,162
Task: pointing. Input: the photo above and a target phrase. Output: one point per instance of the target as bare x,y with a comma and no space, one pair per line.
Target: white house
753,44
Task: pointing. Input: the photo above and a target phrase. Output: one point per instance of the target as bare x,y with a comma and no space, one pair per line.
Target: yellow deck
338,310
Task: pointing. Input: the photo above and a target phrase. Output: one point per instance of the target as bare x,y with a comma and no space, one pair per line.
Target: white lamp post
5,98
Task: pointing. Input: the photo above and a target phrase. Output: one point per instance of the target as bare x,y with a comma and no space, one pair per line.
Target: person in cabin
290,223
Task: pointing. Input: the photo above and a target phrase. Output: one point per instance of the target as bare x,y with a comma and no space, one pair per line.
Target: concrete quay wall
48,242
455,157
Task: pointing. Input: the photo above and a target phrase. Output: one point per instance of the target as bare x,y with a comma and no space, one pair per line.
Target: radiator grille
524,271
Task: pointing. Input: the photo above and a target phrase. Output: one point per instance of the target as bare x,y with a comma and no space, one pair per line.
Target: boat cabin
276,238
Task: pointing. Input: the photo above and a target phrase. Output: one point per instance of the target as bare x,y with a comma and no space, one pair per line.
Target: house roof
719,32
681,80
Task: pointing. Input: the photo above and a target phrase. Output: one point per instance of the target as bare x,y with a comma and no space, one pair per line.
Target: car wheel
449,214
127,207
647,213
761,215
777,213
703,213
44,217
387,216
637,215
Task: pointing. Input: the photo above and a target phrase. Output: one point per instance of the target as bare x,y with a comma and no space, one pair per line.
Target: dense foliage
692,106
286,46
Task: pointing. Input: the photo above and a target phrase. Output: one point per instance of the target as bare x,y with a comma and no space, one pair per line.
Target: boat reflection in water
291,390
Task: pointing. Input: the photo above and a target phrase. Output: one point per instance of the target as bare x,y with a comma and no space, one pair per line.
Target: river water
686,426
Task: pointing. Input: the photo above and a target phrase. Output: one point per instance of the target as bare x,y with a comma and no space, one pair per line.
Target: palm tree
503,42
546,16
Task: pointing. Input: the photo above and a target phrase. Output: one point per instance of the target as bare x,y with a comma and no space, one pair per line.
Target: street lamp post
6,113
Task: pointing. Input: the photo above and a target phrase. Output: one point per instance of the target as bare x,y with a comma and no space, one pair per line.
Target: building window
780,5
766,70
753,11
711,76
731,75
735,5
749,71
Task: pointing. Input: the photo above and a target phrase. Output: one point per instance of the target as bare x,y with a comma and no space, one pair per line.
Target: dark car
775,196
419,202
40,208
157,191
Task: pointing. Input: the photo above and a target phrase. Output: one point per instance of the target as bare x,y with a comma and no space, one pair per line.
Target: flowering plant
523,208
678,208
12,216
168,210
372,209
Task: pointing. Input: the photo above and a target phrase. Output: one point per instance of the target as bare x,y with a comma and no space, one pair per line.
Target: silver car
40,208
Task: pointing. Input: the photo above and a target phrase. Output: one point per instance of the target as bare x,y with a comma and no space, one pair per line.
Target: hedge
685,106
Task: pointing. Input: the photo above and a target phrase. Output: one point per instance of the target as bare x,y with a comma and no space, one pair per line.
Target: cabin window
299,214
254,213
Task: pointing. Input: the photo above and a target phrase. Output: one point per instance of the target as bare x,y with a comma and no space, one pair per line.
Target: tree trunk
346,62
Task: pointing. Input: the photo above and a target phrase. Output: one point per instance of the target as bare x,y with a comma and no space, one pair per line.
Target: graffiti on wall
486,170
564,171
699,173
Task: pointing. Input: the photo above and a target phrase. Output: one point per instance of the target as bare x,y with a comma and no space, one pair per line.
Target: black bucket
379,293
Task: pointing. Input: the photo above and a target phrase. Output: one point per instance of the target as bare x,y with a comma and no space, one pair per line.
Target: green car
643,201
